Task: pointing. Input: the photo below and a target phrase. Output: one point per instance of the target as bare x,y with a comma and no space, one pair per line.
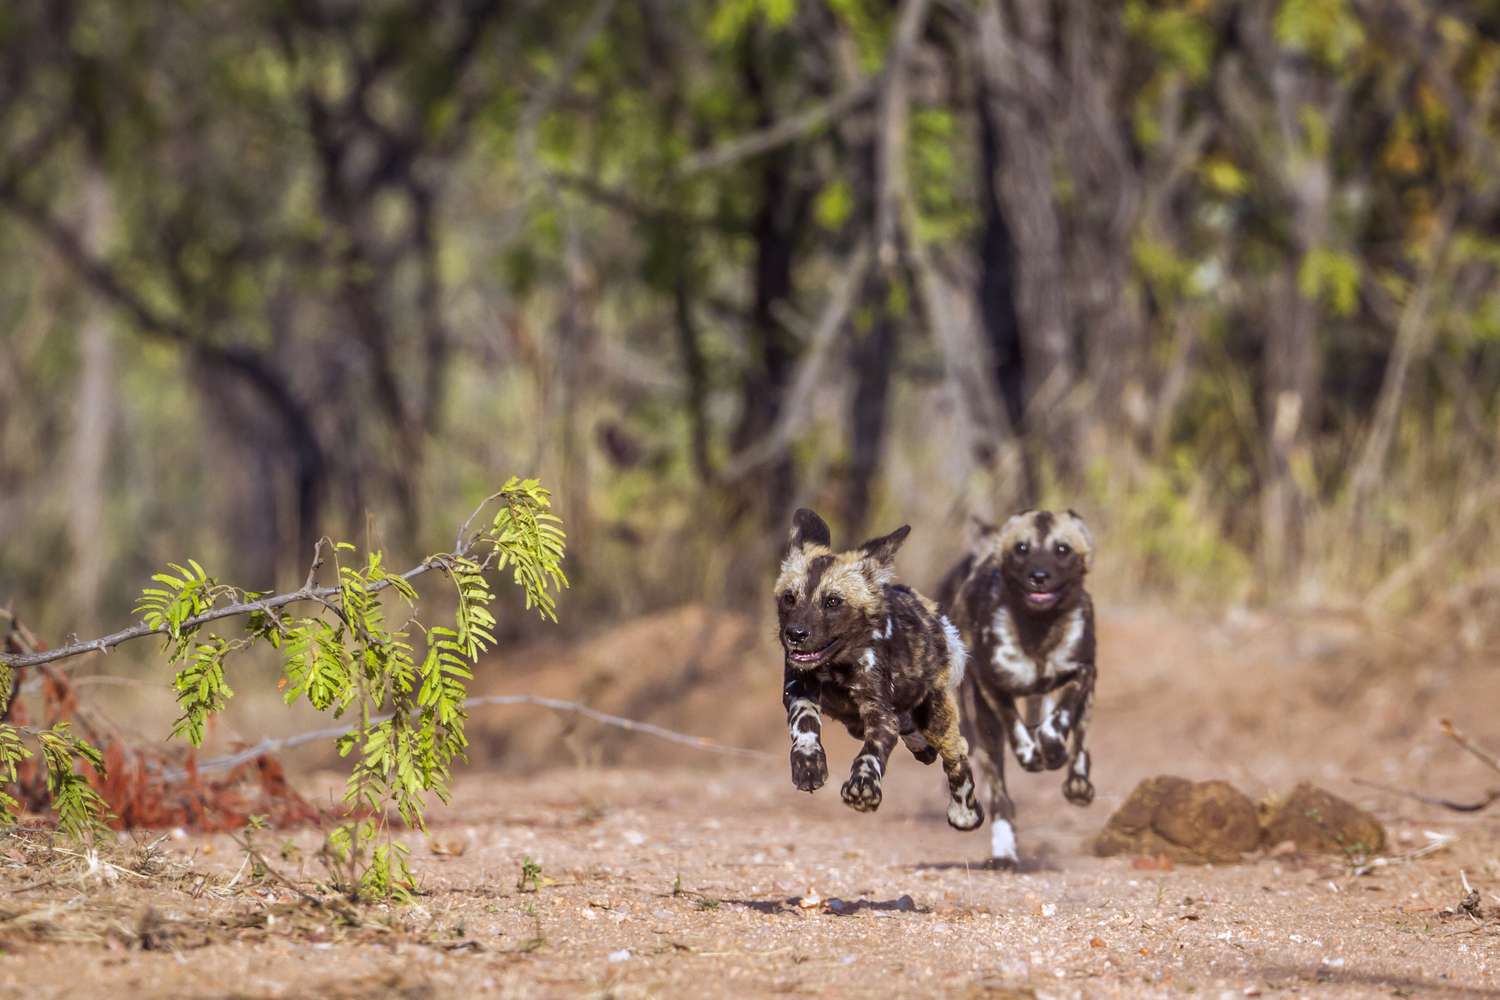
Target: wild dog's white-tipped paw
862,791
1030,758
965,815
1002,846
809,769
1054,748
1078,790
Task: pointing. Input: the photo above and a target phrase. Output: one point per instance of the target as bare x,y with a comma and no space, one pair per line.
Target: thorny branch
266,605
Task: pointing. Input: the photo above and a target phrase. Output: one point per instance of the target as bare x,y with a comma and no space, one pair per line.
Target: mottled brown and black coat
874,655
1018,599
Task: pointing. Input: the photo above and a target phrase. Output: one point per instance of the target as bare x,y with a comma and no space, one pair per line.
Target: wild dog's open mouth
1041,598
808,656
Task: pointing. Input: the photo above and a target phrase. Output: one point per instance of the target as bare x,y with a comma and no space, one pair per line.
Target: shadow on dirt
837,907
1294,977
1026,866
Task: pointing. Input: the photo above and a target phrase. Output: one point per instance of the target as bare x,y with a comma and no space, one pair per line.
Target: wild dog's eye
1062,548
788,598
832,601
1022,548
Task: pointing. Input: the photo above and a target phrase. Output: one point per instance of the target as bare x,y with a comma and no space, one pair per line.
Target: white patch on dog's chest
1021,671
1016,668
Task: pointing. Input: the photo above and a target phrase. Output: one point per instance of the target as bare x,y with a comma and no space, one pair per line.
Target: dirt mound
1321,823
1193,822
1197,822
693,669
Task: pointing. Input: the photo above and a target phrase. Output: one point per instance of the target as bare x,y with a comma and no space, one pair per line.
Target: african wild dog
1019,601
876,656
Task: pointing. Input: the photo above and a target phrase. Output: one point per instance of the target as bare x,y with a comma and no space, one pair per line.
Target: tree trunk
780,213
1012,55
93,421
873,360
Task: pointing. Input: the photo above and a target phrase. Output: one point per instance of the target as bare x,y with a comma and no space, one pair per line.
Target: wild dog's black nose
795,633
1039,576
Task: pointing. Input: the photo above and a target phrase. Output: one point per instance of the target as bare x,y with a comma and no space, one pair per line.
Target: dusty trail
686,878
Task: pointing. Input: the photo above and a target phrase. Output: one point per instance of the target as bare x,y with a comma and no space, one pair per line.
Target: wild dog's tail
958,654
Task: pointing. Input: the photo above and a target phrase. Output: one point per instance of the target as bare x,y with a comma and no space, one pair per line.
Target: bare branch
783,132
1490,797
1456,735
266,605
806,380
268,746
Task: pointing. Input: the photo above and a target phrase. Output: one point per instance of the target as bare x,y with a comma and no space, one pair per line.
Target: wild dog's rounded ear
1085,540
882,550
1017,528
809,529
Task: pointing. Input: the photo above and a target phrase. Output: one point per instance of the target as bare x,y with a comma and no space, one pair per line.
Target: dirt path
688,879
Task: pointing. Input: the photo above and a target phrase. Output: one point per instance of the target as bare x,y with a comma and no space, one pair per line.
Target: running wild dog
1019,601
876,656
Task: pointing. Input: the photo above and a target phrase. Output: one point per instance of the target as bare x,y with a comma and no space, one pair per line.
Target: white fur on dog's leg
962,816
1003,842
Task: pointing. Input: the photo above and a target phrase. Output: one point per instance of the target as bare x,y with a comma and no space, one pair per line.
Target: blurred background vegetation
1221,274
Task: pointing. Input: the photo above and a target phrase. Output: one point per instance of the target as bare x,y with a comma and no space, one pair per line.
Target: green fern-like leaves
80,811
181,597
12,752
342,655
201,688
528,538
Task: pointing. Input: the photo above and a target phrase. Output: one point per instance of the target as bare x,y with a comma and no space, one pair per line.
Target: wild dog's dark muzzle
1043,587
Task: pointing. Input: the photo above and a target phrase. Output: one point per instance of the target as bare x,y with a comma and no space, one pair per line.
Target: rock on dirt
1198,822
1191,822
1320,822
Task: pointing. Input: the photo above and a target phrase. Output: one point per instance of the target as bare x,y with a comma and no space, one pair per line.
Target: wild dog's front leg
881,728
1056,726
1077,788
804,722
1028,754
942,733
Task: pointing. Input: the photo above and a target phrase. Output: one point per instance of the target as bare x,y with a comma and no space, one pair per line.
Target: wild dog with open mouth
873,654
1019,601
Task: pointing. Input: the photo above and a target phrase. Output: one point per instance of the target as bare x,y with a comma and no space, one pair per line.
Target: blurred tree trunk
93,421
1015,55
781,212
1102,215
873,360
997,278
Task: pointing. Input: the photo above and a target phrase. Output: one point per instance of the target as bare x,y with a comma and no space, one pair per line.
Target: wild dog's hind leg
804,722
881,728
943,734
987,748
1077,788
